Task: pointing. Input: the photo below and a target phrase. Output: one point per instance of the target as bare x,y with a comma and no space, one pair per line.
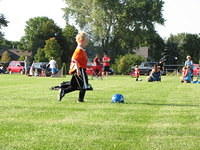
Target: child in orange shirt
79,80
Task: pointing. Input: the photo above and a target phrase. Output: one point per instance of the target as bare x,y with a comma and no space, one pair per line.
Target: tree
3,23
186,44
37,31
5,57
156,47
191,46
118,25
40,56
69,34
51,49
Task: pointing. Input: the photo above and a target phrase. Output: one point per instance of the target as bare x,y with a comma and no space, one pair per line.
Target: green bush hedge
124,63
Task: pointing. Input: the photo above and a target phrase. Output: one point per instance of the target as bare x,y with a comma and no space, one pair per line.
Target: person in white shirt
52,65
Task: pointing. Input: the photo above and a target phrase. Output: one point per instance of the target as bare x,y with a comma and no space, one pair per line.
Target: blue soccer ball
118,98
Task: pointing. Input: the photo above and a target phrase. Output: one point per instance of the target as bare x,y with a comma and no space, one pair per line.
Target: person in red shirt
97,68
79,80
106,64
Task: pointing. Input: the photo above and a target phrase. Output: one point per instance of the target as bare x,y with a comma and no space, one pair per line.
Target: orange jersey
80,58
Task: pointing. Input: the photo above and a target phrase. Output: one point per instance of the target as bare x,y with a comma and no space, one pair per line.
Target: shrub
124,63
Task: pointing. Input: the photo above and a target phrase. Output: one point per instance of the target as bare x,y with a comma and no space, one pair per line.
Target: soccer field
155,116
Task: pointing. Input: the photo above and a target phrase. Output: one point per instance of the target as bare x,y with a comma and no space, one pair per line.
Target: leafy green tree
3,23
191,46
118,25
184,44
156,47
69,34
5,44
40,56
5,57
37,31
53,49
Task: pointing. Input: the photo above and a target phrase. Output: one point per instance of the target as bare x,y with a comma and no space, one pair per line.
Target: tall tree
69,33
3,23
51,49
37,31
118,24
186,44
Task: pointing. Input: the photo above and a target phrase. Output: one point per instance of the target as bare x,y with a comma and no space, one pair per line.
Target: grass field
156,116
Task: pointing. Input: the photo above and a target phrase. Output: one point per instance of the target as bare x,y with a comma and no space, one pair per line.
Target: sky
180,15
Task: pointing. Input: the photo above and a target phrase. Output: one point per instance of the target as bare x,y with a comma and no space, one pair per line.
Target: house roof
142,51
16,53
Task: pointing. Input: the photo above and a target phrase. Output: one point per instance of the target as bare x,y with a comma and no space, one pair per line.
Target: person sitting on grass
155,74
186,75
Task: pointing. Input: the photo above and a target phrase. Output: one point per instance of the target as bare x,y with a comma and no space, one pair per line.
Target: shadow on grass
176,105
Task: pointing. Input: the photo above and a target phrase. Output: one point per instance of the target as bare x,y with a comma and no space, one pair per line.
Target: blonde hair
81,36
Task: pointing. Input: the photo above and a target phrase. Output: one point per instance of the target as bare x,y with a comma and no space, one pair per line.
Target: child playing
79,80
137,72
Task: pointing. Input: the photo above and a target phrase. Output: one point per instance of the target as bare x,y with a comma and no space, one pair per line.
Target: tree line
116,27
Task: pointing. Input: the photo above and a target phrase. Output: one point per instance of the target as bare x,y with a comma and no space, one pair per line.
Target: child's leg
81,95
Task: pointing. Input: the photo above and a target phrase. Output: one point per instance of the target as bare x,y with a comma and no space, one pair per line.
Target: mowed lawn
156,116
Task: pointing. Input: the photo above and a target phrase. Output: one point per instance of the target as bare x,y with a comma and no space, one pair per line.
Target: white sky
180,15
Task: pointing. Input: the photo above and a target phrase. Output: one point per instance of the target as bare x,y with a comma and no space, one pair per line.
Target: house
142,51
15,54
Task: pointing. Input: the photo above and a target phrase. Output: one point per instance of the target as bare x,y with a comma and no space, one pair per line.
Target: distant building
15,54
142,51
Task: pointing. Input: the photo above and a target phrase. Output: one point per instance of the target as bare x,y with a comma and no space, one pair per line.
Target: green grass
156,116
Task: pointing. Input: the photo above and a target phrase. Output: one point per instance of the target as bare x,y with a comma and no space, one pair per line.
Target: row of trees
117,27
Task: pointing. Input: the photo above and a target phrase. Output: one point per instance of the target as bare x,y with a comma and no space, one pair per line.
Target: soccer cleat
89,87
55,88
61,94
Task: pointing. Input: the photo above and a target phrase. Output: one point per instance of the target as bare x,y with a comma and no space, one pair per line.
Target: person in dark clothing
155,74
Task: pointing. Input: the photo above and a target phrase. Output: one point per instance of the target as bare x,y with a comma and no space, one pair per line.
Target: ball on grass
117,98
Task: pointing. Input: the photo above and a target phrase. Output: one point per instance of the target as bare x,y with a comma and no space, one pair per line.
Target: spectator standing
26,65
106,64
53,66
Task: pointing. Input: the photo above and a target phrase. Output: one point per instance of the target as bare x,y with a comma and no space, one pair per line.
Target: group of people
101,65
155,74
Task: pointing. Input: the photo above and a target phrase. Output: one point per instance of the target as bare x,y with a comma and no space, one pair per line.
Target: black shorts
106,68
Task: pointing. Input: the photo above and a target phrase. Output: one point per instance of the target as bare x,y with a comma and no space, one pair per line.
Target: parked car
196,69
3,67
16,67
41,69
145,68
91,67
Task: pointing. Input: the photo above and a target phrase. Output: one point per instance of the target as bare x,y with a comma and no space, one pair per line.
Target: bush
124,63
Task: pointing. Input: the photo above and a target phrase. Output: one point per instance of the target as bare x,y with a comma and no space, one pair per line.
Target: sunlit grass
156,116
